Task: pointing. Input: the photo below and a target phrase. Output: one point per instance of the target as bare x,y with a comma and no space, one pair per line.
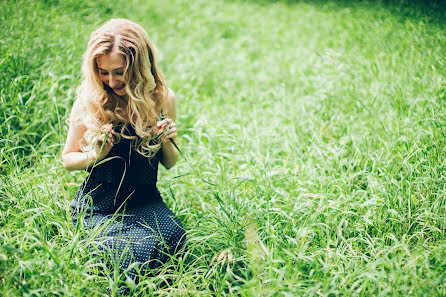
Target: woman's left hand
162,127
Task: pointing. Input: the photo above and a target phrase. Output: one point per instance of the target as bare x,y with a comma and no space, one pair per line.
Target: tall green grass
321,126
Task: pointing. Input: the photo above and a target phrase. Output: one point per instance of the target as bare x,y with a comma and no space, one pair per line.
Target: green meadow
314,133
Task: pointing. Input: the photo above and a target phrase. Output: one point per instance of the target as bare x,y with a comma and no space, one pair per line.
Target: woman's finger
169,124
171,136
107,128
169,133
101,139
159,124
164,121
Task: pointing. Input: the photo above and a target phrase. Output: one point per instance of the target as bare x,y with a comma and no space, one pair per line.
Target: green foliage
314,133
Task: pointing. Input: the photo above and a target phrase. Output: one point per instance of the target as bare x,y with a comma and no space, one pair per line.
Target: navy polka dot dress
120,200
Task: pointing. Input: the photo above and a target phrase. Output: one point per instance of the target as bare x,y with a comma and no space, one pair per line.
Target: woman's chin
121,93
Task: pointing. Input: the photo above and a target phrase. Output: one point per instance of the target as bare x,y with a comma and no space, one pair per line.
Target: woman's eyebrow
120,68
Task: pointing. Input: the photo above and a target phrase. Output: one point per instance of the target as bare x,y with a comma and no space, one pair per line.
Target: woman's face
111,72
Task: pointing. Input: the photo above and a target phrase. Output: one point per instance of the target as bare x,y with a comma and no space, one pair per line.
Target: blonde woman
121,126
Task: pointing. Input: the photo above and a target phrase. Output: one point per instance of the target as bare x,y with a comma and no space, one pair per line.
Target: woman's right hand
101,153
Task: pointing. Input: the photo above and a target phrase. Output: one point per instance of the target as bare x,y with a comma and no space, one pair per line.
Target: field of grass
321,124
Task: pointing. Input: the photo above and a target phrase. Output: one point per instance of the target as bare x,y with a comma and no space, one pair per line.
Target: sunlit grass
314,134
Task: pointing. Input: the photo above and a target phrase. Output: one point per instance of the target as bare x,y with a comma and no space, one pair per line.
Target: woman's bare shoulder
170,96
169,107
79,106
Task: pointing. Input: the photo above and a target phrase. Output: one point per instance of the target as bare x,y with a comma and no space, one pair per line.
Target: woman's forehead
111,61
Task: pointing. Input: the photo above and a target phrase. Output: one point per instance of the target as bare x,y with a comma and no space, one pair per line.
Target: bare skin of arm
169,152
72,156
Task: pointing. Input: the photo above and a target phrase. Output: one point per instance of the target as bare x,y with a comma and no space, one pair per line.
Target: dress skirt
131,224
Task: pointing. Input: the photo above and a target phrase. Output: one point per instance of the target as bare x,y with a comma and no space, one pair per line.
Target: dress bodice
124,164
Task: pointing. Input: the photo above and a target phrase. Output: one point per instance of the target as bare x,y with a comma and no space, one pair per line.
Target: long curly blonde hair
145,87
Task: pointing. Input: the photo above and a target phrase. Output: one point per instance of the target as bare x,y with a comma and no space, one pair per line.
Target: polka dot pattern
136,227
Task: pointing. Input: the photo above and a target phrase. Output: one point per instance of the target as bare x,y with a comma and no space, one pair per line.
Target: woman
121,125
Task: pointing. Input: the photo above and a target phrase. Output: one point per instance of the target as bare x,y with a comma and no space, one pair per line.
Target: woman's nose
112,81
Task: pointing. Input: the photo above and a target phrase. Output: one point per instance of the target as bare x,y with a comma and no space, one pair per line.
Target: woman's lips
120,88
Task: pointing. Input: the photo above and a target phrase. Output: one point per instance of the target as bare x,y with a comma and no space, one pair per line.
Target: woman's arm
72,156
169,152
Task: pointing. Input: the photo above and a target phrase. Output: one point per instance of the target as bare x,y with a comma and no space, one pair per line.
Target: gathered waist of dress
124,183
116,172
116,189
